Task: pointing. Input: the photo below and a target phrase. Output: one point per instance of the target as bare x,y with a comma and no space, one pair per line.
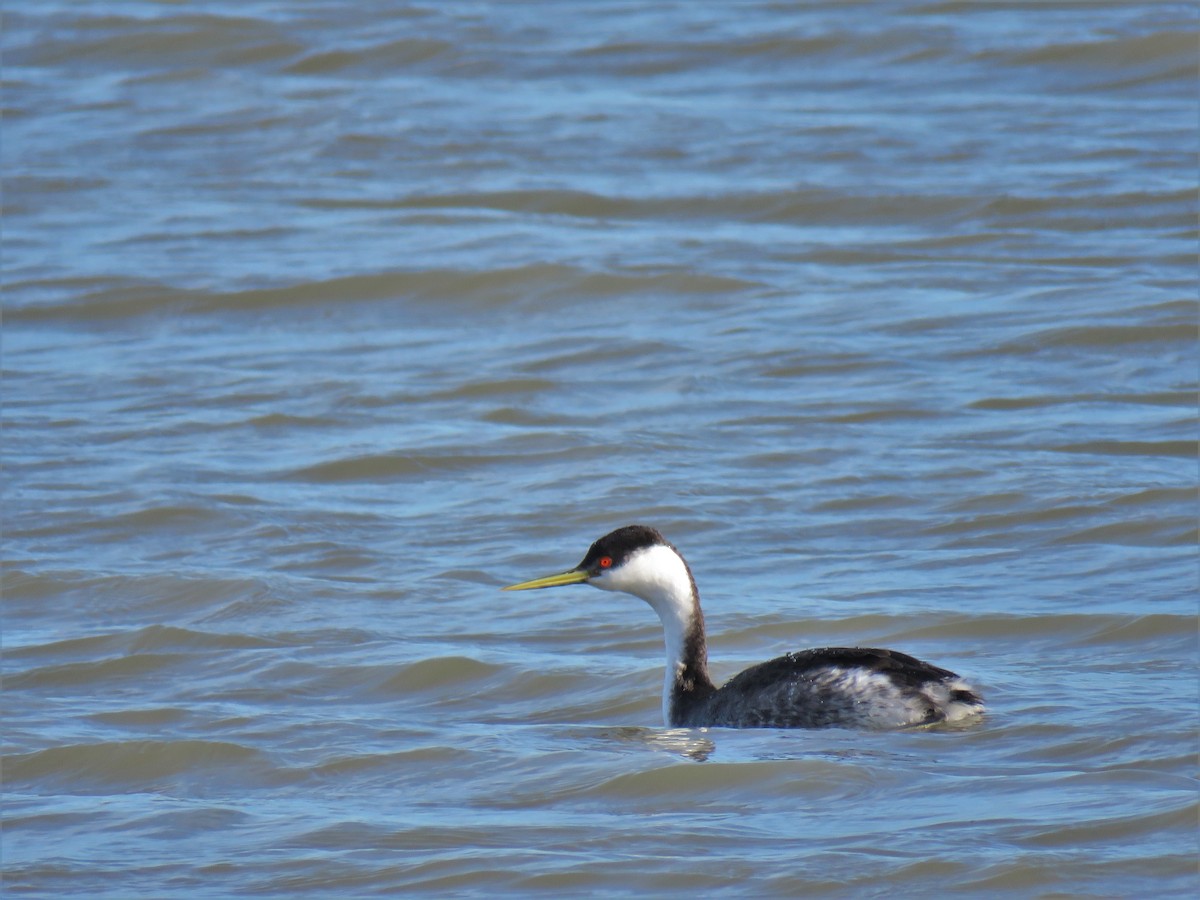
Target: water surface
320,327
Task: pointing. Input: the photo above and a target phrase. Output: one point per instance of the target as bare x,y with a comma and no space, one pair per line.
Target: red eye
605,562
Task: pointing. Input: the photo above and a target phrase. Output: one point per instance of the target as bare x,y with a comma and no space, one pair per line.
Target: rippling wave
320,328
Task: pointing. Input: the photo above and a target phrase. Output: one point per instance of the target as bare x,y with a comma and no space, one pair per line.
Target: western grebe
849,687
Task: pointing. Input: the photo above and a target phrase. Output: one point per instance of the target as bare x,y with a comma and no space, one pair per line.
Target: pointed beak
575,576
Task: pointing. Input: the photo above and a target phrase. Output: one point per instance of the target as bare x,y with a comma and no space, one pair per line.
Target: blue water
320,327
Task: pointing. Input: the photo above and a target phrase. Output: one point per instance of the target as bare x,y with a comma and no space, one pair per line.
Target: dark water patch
85,675
1183,449
149,596
634,57
1094,209
223,127
497,388
549,357
1014,521
783,459
165,637
168,42
1075,628
1157,497
822,364
886,415
1006,500
439,674
393,467
1170,531
153,638
1118,829
1149,629
809,206
1037,870
477,290
286,421
508,415
387,763
31,186
148,718
376,468
112,299
335,562
1102,336
385,57
238,500
718,785
1107,520
1151,398
187,824
1114,63
142,763
118,527
865,502
16,823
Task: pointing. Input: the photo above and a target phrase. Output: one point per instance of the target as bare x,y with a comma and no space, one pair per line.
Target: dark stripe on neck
692,686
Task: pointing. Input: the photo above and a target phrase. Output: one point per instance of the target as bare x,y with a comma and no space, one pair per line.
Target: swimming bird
848,687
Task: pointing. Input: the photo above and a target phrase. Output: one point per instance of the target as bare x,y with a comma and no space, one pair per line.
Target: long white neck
660,577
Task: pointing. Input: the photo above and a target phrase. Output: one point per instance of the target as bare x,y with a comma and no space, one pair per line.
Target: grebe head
635,559
638,560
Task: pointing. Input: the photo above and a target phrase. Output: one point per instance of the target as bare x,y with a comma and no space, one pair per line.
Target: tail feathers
961,702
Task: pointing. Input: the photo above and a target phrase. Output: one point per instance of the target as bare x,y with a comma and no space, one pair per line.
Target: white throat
660,577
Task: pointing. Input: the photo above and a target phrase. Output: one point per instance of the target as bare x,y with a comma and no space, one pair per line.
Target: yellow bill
575,576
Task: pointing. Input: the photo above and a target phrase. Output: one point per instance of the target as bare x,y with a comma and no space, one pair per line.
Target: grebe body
849,687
